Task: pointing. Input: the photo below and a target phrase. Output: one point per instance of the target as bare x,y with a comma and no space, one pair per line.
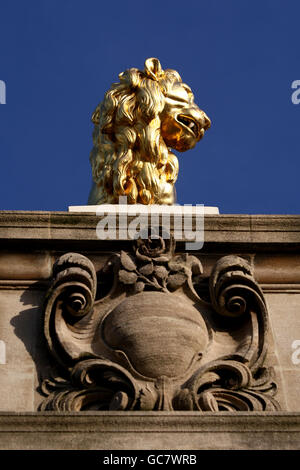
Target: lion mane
129,156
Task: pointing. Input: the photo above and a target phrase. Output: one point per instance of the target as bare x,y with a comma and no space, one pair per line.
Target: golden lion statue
136,124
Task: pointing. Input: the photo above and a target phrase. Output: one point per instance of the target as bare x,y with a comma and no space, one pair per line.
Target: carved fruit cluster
155,267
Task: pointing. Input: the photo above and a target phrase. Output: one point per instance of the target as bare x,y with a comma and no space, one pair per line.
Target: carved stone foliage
138,336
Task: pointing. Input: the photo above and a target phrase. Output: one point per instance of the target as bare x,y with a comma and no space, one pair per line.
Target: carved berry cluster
156,267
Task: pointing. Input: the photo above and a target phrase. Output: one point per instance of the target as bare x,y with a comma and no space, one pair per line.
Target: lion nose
200,117
205,121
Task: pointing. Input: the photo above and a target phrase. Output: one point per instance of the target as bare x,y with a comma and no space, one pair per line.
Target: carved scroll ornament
138,336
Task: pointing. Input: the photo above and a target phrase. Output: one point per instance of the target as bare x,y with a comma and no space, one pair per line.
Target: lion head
140,119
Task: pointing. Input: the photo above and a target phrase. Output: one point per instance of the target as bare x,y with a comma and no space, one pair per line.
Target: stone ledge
259,230
149,430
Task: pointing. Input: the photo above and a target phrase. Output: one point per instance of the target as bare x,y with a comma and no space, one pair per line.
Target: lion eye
178,99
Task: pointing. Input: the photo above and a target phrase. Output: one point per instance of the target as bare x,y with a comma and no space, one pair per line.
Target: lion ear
153,68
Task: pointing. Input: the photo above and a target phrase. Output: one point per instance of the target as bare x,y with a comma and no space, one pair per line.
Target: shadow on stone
28,327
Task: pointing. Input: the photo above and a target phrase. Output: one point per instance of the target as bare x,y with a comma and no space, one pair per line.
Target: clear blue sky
240,57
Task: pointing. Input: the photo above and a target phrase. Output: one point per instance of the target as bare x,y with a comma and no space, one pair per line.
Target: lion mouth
191,124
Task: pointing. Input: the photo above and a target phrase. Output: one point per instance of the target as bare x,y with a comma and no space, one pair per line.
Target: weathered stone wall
31,242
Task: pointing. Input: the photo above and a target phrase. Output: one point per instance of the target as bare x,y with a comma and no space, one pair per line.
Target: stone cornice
163,421
259,231
271,243
150,430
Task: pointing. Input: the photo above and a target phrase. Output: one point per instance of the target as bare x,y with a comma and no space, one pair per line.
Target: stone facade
30,245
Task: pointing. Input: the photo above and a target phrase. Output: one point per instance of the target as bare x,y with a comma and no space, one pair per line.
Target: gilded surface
140,119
